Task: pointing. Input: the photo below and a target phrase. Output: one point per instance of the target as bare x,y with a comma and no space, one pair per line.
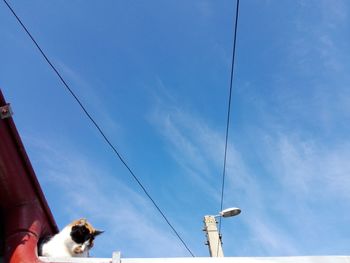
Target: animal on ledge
74,240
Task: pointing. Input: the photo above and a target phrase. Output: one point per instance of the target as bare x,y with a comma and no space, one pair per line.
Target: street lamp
232,211
213,238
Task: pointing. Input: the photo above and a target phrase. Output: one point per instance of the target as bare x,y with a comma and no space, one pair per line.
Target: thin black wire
98,128
228,119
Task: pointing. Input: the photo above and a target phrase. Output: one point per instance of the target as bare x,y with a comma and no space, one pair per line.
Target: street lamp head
232,211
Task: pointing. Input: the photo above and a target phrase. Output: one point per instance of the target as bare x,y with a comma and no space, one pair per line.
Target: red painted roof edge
30,171
26,213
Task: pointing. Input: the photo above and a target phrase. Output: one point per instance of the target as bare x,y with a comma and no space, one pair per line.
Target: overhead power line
229,112
106,139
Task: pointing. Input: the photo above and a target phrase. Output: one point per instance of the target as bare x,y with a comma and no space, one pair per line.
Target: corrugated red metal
26,213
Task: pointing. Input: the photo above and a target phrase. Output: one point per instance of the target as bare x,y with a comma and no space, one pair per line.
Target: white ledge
311,259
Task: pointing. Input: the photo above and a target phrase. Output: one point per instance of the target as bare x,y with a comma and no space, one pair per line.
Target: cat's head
83,234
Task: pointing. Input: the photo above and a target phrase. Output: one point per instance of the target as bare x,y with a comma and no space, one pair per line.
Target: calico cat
75,240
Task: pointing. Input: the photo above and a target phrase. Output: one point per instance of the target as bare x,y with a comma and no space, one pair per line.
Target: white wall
315,259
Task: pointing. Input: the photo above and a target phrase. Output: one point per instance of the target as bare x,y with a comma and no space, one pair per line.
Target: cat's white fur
62,245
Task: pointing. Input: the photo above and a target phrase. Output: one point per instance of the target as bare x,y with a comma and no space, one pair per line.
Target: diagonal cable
98,128
228,118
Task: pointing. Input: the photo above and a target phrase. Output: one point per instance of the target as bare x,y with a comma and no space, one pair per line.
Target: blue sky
155,76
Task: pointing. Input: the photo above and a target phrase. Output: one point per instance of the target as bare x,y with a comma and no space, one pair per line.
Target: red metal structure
24,213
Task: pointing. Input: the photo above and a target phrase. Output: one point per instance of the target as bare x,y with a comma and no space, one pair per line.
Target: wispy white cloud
281,199
205,8
198,148
311,88
195,146
87,92
318,44
310,188
270,239
334,13
309,167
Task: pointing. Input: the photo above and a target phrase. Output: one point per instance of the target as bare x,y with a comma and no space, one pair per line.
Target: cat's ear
98,232
82,221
